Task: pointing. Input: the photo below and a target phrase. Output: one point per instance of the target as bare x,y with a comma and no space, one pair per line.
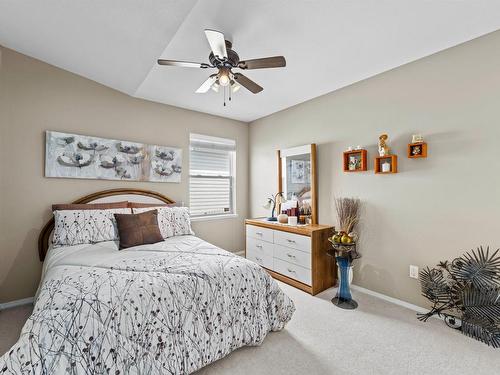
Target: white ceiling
328,44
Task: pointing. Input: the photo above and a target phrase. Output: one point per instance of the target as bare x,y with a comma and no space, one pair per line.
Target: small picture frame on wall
355,160
417,150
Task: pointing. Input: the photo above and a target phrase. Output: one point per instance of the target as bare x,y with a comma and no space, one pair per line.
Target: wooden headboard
113,195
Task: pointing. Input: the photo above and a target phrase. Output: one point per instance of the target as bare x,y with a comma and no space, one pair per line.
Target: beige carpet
377,338
11,322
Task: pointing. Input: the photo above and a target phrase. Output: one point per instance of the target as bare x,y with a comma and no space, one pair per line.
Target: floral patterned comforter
167,308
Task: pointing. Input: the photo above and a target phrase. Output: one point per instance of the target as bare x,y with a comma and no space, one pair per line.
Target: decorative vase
343,299
350,272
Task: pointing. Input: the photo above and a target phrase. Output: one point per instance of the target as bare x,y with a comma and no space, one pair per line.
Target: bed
171,307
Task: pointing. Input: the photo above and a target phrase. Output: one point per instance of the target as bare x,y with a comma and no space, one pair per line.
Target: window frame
231,177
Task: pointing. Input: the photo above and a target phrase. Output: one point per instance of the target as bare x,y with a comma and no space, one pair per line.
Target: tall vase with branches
344,246
348,210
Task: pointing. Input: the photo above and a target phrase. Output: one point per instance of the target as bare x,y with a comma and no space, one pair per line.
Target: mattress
167,308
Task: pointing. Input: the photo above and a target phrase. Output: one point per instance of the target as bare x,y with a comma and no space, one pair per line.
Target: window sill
213,217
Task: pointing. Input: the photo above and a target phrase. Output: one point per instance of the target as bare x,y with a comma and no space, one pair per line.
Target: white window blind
211,175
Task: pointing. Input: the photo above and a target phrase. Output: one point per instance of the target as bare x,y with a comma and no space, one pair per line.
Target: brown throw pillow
138,229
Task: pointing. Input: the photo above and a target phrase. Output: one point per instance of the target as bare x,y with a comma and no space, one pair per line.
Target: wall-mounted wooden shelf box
417,150
359,158
381,160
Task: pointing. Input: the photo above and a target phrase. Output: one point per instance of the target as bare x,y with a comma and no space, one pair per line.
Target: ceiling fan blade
266,62
217,43
205,86
247,83
184,64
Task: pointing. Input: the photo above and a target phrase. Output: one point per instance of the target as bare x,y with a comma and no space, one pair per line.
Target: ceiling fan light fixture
215,87
224,80
235,86
224,77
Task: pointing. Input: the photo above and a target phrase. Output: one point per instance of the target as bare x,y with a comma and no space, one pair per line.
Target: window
211,176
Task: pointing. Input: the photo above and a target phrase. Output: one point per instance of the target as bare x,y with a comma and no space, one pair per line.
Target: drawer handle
291,271
290,256
258,259
258,246
290,241
259,233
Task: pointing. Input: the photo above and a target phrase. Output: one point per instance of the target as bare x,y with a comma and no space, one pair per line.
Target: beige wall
434,208
35,97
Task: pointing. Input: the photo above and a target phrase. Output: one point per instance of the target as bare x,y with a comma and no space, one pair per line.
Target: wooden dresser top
305,230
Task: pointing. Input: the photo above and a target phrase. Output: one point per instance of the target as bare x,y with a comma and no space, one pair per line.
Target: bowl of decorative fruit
342,238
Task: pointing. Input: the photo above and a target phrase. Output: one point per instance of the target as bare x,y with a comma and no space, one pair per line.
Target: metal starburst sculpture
466,292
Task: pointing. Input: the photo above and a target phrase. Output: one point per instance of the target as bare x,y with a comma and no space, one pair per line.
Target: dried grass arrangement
348,210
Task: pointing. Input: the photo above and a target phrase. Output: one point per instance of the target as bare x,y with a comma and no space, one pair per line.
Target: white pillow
74,227
173,221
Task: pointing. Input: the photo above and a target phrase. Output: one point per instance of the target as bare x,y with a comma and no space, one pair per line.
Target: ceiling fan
223,58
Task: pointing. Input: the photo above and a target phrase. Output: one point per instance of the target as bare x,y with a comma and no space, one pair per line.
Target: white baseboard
392,300
19,302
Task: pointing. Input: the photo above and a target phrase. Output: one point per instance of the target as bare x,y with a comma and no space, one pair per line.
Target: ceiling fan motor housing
232,58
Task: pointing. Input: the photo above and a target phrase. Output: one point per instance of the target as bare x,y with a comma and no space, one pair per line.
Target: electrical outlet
413,271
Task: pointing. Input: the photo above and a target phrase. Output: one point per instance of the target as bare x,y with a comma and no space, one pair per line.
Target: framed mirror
297,179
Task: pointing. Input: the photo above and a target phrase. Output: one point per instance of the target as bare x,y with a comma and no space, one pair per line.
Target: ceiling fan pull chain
224,95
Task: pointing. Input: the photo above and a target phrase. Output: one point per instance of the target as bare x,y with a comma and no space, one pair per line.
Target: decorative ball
346,239
283,218
337,238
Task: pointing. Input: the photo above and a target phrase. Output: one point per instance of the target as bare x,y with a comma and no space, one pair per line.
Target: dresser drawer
260,258
266,248
263,234
295,241
293,271
294,256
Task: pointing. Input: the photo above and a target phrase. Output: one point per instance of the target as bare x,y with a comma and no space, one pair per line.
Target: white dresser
295,255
